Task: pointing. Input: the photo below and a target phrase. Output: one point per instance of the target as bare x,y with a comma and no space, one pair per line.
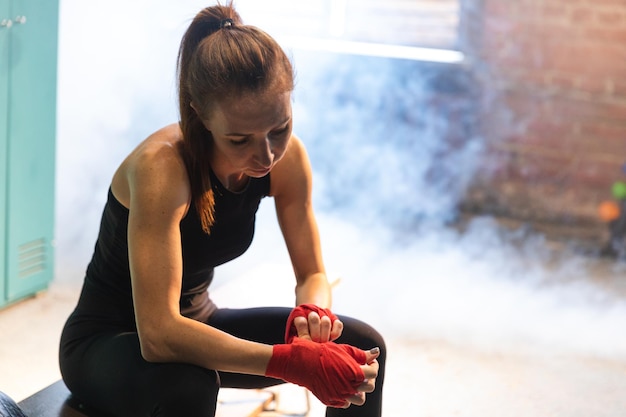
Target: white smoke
389,172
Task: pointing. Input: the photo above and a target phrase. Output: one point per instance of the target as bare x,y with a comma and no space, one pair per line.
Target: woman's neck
232,181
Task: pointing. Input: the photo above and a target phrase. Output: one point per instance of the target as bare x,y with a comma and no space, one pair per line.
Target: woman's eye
238,142
280,132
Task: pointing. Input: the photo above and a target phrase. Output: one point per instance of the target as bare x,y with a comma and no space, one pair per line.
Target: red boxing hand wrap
329,370
304,310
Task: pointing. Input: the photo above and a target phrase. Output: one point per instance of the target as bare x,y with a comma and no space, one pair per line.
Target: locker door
5,18
31,146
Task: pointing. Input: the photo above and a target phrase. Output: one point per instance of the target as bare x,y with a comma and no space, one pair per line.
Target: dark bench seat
53,401
57,401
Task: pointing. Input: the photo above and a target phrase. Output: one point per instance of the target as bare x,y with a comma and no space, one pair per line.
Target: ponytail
220,56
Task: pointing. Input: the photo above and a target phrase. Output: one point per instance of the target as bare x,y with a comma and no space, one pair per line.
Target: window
420,23
403,26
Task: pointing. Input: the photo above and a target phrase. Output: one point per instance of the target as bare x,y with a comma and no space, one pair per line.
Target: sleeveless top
106,297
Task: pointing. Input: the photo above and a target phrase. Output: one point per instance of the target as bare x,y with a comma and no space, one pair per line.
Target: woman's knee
360,334
364,336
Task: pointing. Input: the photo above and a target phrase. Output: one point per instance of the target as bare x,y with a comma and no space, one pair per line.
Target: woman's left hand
318,329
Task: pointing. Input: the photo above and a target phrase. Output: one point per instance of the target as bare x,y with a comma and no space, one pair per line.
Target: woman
145,338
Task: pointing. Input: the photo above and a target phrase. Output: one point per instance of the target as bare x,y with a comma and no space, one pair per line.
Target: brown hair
220,57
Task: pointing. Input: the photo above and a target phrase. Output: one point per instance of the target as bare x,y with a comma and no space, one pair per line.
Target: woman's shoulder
296,148
160,150
155,164
293,170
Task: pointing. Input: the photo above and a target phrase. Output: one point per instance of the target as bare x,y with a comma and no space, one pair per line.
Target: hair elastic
226,23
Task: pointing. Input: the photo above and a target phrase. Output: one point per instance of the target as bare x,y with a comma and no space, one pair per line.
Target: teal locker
4,113
29,141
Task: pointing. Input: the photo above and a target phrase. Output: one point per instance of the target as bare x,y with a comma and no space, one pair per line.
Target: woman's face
250,133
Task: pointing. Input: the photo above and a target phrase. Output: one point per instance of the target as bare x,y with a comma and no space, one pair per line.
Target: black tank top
106,296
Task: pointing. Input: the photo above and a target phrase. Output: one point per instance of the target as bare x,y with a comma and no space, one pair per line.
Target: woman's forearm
185,340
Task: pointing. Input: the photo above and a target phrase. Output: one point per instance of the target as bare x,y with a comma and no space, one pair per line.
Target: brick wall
553,112
552,76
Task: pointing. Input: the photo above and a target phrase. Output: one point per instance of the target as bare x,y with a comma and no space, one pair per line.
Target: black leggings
108,373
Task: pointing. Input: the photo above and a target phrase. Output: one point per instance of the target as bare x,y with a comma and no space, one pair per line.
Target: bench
53,401
57,401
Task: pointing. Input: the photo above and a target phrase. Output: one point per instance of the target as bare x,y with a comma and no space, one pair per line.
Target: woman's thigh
109,375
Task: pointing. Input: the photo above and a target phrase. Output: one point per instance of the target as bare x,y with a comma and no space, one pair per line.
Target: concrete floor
428,376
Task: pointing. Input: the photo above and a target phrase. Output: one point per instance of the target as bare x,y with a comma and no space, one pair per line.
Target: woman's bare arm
159,196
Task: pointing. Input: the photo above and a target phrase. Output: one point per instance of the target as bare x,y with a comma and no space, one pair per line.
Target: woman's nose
265,154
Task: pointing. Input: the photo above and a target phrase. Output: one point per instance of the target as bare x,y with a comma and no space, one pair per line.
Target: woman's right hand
370,371
338,375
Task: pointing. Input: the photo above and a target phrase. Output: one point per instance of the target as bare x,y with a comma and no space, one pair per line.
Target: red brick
605,169
519,55
521,102
599,174
605,133
595,85
563,81
530,79
551,136
585,59
539,32
559,123
495,25
550,129
619,3
611,18
550,142
573,170
551,12
494,9
605,35
619,88
539,167
602,111
548,136
601,148
562,3
582,15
